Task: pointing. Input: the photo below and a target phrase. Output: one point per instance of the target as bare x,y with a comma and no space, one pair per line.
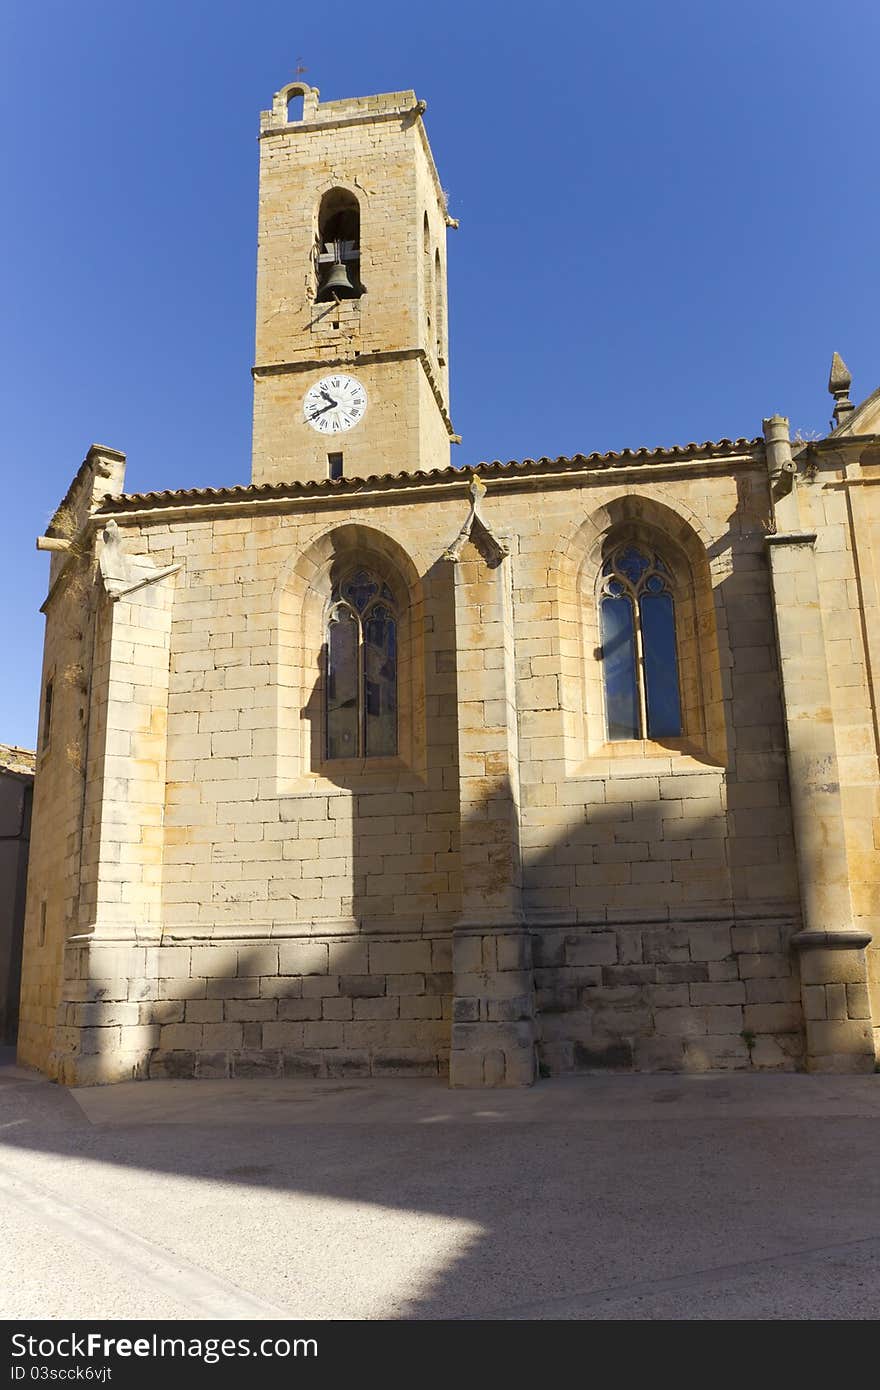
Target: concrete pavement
627,1197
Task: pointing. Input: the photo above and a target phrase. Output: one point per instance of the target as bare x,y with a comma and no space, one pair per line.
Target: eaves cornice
514,475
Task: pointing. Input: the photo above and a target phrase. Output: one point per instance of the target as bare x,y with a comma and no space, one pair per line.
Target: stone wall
331,1006
210,893
656,884
670,997
55,861
841,501
16,793
682,998
378,153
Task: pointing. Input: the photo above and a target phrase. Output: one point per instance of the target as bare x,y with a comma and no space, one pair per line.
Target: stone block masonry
689,996
327,1007
264,910
493,1030
235,871
692,996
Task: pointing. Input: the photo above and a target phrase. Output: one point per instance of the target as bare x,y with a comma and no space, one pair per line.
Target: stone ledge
790,538
853,940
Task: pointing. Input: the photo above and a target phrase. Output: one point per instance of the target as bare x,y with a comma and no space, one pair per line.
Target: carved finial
840,378
495,548
839,382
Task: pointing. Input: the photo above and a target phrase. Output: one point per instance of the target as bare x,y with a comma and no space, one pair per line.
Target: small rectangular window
47,714
41,937
334,466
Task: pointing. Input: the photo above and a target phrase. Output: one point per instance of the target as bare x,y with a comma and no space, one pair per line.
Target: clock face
334,404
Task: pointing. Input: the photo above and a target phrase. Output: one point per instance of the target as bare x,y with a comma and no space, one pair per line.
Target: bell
337,284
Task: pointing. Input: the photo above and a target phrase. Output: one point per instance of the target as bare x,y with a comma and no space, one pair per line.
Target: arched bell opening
338,251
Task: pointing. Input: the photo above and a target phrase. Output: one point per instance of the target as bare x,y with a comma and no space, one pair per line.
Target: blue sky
668,211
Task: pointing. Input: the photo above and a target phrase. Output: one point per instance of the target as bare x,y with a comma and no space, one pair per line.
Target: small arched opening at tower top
294,102
338,250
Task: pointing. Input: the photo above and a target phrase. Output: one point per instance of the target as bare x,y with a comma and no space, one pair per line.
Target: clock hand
322,411
328,397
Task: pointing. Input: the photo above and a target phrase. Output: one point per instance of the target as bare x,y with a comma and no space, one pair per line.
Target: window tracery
638,644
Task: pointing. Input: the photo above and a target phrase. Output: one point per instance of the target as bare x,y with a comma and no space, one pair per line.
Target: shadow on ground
589,1197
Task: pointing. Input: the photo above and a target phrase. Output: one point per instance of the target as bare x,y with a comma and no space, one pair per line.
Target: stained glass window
361,701
342,685
639,661
619,658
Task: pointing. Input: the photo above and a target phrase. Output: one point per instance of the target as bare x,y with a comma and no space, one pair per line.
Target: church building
376,766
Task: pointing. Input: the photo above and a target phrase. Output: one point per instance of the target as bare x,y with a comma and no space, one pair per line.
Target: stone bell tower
351,373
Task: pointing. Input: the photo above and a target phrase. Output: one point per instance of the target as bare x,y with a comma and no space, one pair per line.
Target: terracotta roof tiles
19,760
721,448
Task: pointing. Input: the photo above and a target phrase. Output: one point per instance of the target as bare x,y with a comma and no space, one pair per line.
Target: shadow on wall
668,899
16,801
706,991
366,992
659,903
405,845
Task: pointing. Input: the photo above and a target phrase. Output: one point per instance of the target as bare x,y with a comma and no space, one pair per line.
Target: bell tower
351,373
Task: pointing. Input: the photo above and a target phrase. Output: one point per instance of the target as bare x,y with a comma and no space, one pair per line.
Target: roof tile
132,501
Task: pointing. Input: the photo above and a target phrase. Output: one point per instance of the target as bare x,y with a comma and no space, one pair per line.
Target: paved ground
708,1197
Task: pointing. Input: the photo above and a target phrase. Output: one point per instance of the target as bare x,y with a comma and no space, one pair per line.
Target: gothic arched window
639,660
361,700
